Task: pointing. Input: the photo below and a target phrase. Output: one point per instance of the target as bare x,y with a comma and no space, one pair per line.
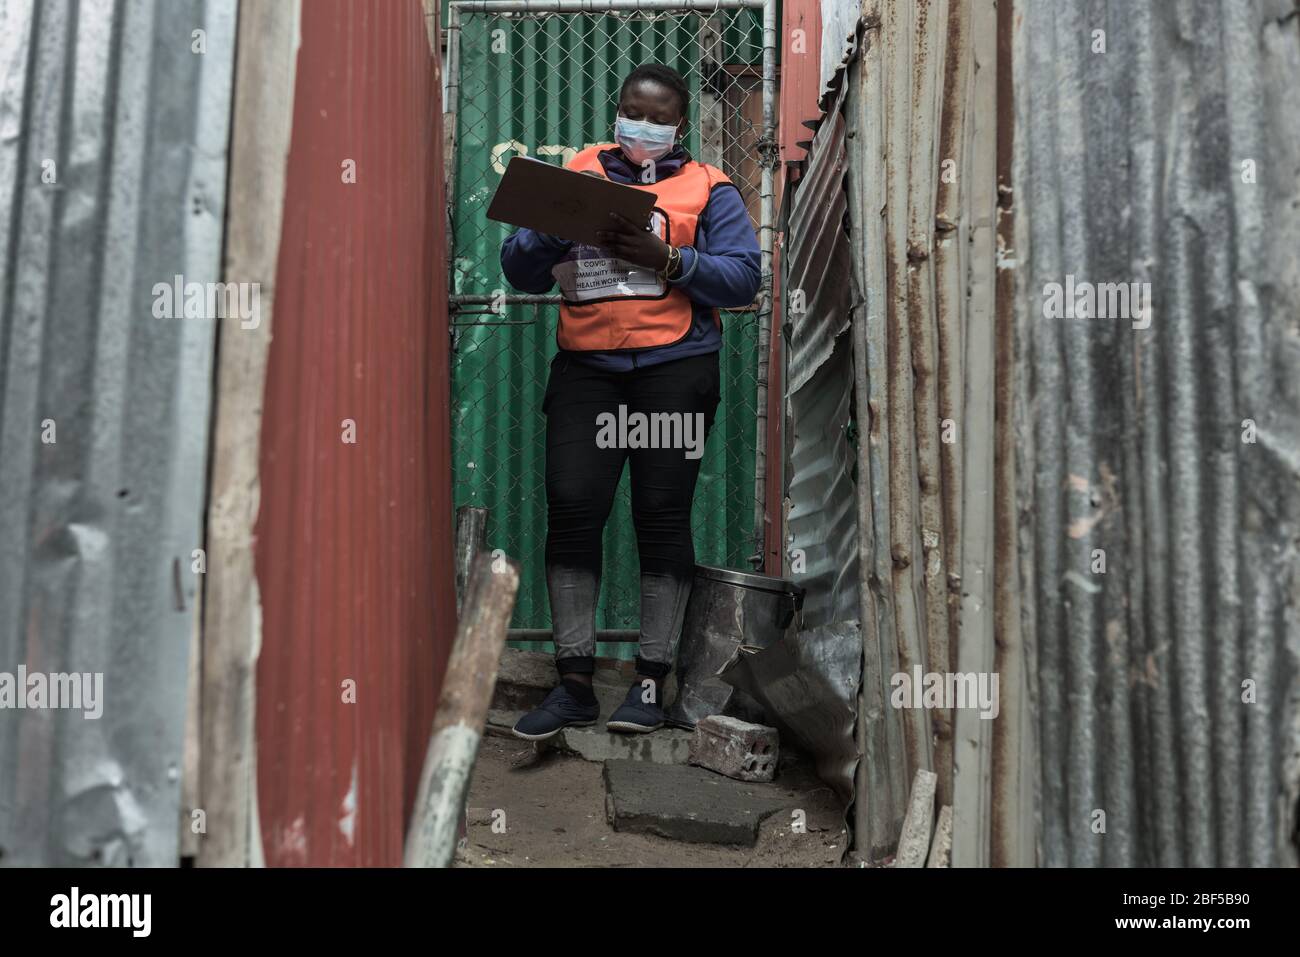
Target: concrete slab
685,803
523,680
556,818
500,721
665,746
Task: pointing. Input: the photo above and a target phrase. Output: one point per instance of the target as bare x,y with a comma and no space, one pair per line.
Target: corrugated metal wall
921,100
354,538
552,83
1133,165
1161,693
113,136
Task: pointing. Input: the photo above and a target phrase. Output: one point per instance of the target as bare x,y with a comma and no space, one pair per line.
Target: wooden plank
262,123
941,844
471,538
914,842
462,711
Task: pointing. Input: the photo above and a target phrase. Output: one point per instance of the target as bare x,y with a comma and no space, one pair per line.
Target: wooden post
260,133
914,842
471,538
941,846
462,712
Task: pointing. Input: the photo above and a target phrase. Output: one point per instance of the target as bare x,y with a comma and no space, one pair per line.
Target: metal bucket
727,610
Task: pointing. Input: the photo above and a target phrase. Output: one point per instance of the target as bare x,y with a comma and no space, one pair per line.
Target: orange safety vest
609,303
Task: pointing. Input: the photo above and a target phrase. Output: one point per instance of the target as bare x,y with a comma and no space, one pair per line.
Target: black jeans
591,430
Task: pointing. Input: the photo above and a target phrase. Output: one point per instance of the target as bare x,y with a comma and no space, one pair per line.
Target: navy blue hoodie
722,269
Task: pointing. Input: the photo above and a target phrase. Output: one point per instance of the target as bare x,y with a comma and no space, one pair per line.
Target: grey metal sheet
822,546
817,268
808,684
1131,169
100,524
822,515
839,26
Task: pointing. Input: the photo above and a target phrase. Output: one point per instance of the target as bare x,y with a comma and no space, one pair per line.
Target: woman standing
639,331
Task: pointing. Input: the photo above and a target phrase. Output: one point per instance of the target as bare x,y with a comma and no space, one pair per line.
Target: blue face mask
642,140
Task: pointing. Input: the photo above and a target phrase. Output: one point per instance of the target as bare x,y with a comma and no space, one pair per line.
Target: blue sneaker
559,709
635,714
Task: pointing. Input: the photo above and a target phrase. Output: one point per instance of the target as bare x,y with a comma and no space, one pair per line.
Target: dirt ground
552,807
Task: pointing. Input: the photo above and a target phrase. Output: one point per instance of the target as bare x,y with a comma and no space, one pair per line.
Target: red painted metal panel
800,74
354,540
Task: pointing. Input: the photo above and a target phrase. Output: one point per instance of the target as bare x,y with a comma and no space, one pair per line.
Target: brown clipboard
564,202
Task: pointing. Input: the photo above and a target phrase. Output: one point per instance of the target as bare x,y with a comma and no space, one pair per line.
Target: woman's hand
636,244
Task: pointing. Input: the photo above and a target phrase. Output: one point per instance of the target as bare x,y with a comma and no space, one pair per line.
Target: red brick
738,749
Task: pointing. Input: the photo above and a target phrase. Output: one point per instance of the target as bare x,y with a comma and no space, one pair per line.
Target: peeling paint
348,809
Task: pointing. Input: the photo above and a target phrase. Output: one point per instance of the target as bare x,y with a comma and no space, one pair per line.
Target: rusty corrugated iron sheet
104,407
354,538
879,788
1163,692
1168,685
925,375
908,348
1014,768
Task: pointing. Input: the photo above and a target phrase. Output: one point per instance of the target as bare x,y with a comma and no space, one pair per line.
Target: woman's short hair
664,75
